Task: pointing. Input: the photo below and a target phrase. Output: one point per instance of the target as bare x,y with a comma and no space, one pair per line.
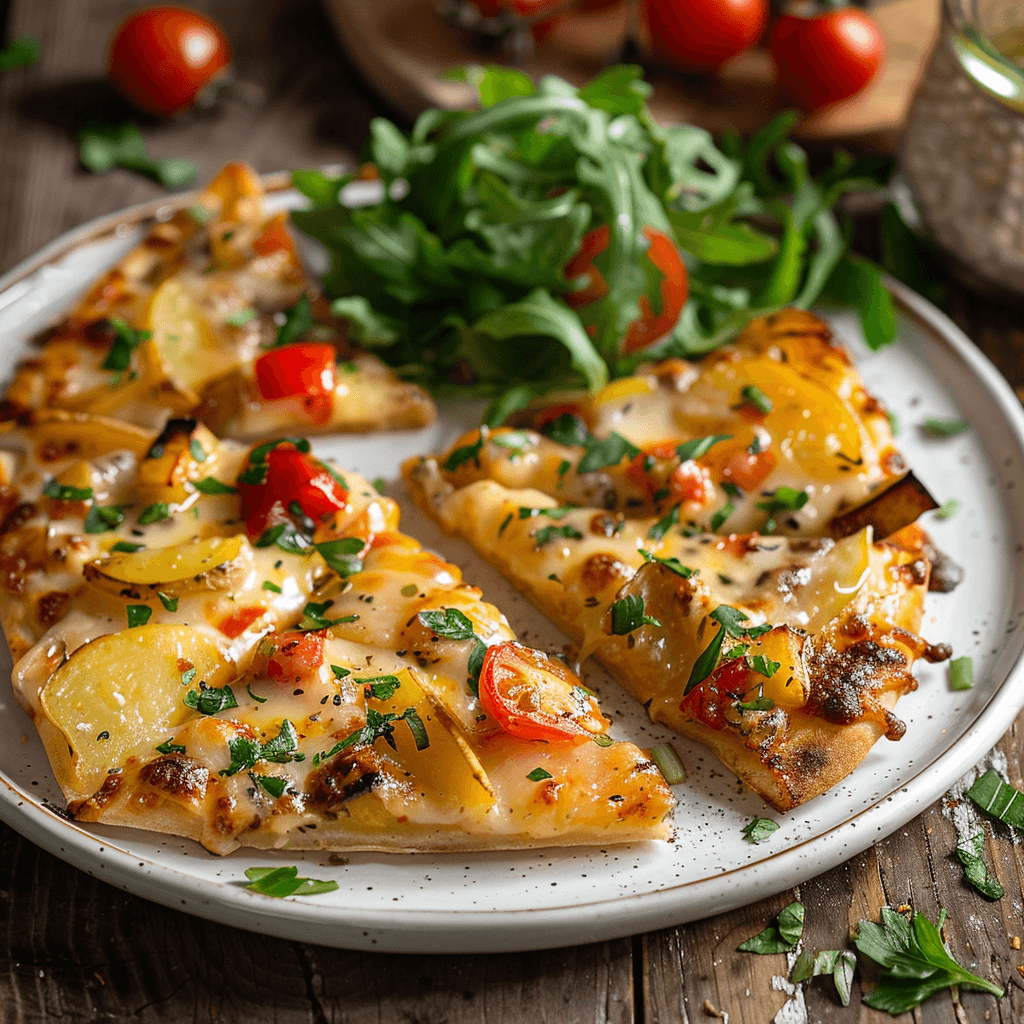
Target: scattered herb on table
102,147
20,53
757,830
970,851
281,882
996,797
945,428
840,963
780,937
914,959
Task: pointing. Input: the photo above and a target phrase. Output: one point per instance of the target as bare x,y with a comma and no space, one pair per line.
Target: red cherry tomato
827,58
303,371
748,470
584,270
296,657
703,34
658,466
291,478
535,697
163,57
706,702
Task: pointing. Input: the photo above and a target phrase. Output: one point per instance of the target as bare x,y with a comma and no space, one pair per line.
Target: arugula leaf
628,615
282,882
757,830
970,852
341,554
781,937
102,147
914,959
20,53
840,963
996,797
706,662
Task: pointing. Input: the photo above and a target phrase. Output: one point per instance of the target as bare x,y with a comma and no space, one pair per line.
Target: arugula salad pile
456,276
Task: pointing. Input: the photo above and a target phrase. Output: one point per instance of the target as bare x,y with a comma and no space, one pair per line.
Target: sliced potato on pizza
784,655
238,645
212,311
775,432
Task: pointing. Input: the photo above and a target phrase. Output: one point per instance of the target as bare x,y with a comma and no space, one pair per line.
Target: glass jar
963,147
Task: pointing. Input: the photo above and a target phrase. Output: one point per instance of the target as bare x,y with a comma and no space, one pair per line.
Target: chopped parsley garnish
65,492
170,603
515,442
628,615
894,422
784,935
155,513
241,316
454,625
313,616
783,499
567,429
671,563
272,784
138,614
126,340
663,525
609,452
339,672
187,676
254,474
464,454
409,590
342,554
101,518
287,537
127,546
706,662
298,320
760,703
379,484
255,697
272,587
539,775
547,533
945,428
198,451
171,748
732,619
763,666
245,752
757,830
379,726
699,446
563,467
209,700
753,395
508,519
961,673
948,509
282,882
381,687
719,518
558,512
914,961
259,454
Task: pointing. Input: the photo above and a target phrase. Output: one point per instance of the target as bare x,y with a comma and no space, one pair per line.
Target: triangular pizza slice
213,314
239,645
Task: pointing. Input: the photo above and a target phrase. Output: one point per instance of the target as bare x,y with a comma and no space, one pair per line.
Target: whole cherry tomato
584,270
827,58
162,58
535,697
703,34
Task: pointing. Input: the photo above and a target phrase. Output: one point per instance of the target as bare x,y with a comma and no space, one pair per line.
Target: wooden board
403,47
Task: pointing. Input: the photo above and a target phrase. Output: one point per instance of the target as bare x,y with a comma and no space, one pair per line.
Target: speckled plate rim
468,930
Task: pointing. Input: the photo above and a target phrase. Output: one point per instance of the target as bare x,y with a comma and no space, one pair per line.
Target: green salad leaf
457,273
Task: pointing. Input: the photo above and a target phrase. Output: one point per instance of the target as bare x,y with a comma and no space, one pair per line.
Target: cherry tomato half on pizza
535,697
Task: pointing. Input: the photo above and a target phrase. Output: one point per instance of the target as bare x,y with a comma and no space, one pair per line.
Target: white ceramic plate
546,898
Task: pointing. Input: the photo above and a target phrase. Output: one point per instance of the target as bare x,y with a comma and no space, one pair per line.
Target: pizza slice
212,313
239,645
775,432
785,655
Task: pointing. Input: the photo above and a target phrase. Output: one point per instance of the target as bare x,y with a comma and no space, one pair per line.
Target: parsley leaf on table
780,937
101,147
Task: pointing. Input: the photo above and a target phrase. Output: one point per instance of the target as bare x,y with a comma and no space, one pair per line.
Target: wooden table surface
75,949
